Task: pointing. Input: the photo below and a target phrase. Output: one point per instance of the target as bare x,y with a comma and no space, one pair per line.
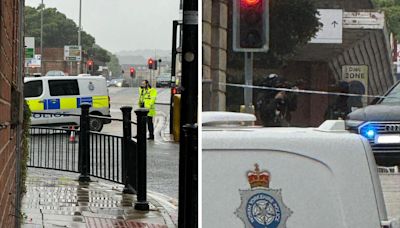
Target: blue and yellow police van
50,97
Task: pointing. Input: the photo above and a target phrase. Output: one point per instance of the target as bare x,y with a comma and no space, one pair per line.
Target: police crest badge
261,206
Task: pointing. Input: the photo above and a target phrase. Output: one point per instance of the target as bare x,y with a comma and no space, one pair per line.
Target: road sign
36,61
73,53
332,28
29,47
363,20
357,77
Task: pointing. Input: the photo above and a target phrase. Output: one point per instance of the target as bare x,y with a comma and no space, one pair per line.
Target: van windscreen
63,87
33,88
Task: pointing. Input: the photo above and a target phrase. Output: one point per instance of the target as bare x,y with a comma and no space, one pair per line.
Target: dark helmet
273,80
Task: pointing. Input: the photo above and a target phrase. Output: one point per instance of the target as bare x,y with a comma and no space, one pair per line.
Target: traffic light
150,63
174,90
155,65
90,65
132,72
251,26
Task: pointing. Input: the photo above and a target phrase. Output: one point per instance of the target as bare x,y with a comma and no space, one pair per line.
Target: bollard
188,178
84,144
141,203
128,153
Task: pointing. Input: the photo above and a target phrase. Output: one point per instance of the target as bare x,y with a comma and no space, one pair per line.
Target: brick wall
9,43
53,59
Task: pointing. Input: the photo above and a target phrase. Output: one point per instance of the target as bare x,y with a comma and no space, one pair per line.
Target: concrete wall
10,107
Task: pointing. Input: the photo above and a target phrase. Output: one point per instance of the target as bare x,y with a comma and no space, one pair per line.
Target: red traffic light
90,62
174,90
132,70
250,2
150,61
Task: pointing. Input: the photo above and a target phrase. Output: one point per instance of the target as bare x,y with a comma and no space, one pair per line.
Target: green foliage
99,54
58,31
292,24
25,146
114,66
392,13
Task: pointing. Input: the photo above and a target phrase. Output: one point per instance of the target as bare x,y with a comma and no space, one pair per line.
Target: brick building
10,109
53,59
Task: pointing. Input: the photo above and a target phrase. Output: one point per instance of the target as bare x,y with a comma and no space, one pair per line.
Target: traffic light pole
173,75
248,77
188,160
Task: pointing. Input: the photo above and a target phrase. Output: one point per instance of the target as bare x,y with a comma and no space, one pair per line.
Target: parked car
379,123
163,81
120,82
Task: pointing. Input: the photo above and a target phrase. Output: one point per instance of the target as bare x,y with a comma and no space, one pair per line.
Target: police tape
295,90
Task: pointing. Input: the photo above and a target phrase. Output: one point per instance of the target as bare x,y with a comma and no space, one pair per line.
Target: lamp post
79,63
41,38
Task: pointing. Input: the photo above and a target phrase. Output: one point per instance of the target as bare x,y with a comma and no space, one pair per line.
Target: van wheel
96,124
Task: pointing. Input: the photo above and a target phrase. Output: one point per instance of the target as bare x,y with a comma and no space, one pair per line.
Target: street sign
36,61
29,47
73,53
357,77
332,28
363,20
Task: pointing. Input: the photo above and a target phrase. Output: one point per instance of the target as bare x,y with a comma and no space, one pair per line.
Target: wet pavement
57,199
390,182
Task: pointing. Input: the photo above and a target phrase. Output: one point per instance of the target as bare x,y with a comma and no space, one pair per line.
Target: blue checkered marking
84,100
52,104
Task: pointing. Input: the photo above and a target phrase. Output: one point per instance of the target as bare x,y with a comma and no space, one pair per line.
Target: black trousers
150,125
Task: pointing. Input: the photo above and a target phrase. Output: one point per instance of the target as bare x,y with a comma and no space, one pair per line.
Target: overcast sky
121,25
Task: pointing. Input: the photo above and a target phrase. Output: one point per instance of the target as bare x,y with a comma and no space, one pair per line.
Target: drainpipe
21,58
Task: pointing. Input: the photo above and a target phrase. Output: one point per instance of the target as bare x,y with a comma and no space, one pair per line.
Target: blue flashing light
368,132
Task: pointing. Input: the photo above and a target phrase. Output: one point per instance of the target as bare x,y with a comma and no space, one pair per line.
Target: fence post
188,178
84,144
141,172
128,156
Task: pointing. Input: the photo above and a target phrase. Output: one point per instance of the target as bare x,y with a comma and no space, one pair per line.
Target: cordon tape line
303,91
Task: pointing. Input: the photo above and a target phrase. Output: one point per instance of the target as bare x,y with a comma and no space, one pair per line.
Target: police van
52,96
288,177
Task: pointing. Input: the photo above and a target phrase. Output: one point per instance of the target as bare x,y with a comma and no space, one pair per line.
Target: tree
292,24
392,14
114,66
58,31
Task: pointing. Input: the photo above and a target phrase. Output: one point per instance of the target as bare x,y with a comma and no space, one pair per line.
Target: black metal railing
120,159
50,148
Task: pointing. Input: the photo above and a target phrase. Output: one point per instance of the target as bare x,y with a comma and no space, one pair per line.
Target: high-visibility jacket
147,99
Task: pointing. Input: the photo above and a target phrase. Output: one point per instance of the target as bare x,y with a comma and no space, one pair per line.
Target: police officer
275,107
147,99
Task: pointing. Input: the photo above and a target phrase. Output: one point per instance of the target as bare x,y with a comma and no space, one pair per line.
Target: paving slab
58,199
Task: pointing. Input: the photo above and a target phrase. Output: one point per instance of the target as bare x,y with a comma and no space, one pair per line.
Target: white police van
288,177
51,96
